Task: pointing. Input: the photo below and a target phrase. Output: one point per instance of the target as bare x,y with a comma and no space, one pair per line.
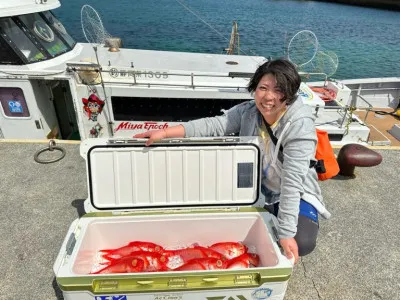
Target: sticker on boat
15,107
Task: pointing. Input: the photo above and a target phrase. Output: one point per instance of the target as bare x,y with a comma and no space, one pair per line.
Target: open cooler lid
124,174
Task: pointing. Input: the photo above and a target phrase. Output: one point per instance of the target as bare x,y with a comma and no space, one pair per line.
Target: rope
350,119
211,27
393,113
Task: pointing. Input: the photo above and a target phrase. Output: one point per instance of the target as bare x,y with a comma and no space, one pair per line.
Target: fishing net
325,62
302,48
305,51
92,26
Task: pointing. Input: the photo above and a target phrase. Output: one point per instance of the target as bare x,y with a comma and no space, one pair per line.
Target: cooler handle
145,282
67,246
70,244
210,279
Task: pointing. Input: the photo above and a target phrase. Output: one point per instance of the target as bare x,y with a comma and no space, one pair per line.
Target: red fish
229,249
211,253
188,253
131,247
212,263
123,265
191,266
245,260
153,261
179,257
206,263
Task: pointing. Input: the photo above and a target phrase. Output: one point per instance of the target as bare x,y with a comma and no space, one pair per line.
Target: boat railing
344,110
368,109
136,77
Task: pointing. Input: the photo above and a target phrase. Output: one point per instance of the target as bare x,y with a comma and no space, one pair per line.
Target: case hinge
215,140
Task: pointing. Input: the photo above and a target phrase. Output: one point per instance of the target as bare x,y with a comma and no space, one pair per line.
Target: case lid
124,174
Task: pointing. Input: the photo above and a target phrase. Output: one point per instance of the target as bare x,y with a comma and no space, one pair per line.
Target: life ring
324,93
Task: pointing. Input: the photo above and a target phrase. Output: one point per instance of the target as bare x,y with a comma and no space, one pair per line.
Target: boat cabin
30,36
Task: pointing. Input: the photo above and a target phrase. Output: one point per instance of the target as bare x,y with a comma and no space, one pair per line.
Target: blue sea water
365,40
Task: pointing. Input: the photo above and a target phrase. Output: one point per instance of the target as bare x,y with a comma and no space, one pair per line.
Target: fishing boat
52,87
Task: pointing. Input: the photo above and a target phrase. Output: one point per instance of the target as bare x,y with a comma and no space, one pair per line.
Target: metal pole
104,91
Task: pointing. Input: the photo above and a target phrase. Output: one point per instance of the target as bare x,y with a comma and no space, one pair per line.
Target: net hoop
90,20
298,36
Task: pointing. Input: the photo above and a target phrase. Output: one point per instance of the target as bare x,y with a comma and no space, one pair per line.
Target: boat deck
357,254
380,125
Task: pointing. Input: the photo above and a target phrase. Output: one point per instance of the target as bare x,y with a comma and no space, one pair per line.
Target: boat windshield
34,37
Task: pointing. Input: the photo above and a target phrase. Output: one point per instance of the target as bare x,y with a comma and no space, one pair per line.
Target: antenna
234,41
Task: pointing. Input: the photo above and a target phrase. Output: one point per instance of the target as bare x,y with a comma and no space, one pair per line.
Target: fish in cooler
246,260
207,263
131,247
187,254
155,258
123,265
229,249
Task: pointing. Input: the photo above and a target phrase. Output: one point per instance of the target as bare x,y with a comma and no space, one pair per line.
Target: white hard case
175,193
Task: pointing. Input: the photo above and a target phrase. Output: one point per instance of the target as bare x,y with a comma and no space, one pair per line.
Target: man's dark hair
287,78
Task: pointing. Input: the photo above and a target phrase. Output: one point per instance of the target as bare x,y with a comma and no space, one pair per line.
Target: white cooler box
175,194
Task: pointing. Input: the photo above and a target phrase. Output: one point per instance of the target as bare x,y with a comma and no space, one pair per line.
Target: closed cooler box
177,193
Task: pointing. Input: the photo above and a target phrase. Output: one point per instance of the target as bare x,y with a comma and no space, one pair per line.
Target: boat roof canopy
22,7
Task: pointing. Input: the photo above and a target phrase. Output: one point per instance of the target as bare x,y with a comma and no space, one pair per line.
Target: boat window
59,28
18,40
44,34
13,102
7,54
168,109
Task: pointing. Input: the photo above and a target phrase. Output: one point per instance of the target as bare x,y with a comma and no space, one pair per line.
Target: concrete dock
357,256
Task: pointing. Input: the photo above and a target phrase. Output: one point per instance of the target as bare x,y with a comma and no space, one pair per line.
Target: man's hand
153,135
290,248
177,131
